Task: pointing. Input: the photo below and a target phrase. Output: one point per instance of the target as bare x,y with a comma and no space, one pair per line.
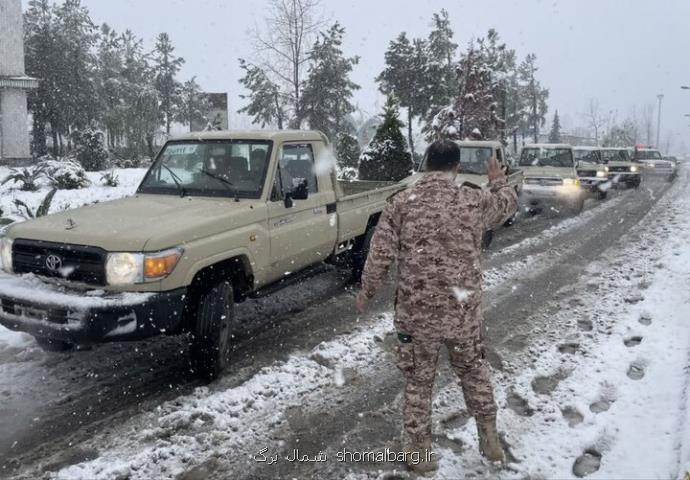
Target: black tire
209,350
359,257
487,238
511,221
602,194
53,345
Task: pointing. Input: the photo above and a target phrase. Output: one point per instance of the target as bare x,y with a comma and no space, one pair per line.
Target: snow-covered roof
479,143
585,148
548,145
276,135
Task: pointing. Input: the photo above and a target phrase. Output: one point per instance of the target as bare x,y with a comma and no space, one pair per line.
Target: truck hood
560,172
140,223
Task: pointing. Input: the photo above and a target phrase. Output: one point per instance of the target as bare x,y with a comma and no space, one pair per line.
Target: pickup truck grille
77,263
586,173
619,169
544,181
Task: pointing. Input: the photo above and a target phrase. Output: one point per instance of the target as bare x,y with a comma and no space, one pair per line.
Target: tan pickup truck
219,217
551,178
473,158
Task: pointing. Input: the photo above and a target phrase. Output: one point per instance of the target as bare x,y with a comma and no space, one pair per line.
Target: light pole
658,119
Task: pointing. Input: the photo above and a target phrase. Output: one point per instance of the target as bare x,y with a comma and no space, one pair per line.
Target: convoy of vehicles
653,163
591,170
223,216
551,178
218,217
621,168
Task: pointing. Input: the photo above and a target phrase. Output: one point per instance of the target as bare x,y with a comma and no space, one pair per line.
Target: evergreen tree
193,105
348,153
266,102
165,67
534,96
441,64
555,133
407,77
386,157
327,93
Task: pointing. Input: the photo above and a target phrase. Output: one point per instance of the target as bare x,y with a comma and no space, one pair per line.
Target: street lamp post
658,120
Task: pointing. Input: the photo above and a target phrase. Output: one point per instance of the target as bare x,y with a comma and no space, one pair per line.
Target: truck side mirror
301,191
287,200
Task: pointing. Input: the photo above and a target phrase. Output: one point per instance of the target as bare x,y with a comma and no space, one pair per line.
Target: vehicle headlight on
126,268
601,173
634,168
572,182
6,254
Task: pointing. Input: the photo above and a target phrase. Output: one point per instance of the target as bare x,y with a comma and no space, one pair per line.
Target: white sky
623,52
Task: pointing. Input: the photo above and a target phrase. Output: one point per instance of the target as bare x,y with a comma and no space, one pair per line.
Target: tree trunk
39,136
149,144
409,131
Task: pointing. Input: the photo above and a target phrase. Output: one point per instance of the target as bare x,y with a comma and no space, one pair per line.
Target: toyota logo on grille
53,263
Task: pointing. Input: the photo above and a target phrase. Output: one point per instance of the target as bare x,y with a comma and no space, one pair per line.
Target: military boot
489,443
419,459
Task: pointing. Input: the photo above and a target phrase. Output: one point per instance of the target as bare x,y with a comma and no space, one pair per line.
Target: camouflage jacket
434,230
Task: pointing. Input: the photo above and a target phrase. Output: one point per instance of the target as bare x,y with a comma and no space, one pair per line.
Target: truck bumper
115,317
592,184
533,195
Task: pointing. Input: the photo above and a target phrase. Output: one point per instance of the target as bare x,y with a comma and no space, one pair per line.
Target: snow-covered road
588,334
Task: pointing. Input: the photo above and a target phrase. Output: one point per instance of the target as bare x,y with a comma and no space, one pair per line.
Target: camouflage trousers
418,360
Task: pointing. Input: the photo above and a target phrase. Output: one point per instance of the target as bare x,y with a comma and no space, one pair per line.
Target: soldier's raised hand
494,170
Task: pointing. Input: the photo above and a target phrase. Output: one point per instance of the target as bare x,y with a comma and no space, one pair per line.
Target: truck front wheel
210,345
53,345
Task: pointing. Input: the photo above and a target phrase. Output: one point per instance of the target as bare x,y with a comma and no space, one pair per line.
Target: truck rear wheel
210,345
53,345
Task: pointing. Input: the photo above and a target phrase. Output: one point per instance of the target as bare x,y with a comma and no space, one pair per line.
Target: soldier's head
443,156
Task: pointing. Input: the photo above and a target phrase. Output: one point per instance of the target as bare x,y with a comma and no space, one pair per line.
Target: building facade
14,125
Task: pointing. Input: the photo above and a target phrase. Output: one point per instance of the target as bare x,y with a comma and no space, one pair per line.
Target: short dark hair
442,155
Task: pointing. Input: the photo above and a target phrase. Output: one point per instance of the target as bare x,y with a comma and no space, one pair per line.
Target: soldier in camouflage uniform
434,230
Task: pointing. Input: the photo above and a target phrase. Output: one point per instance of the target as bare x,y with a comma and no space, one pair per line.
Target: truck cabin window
472,160
615,156
235,168
546,157
647,155
587,156
296,165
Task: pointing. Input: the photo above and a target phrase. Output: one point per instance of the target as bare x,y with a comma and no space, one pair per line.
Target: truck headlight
571,182
601,174
6,254
634,168
126,268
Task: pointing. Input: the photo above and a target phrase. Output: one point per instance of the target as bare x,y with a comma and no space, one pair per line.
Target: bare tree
283,46
596,119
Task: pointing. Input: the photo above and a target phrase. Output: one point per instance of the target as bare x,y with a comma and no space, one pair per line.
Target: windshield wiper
226,183
176,179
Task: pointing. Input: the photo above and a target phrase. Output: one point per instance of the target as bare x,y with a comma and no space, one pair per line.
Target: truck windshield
615,156
472,160
546,157
589,156
647,155
227,168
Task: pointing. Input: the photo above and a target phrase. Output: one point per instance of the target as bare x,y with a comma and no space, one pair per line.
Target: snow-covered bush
23,210
109,179
27,177
64,174
347,173
386,157
348,151
89,149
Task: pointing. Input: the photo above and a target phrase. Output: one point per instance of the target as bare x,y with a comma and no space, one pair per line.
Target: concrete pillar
14,133
13,124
